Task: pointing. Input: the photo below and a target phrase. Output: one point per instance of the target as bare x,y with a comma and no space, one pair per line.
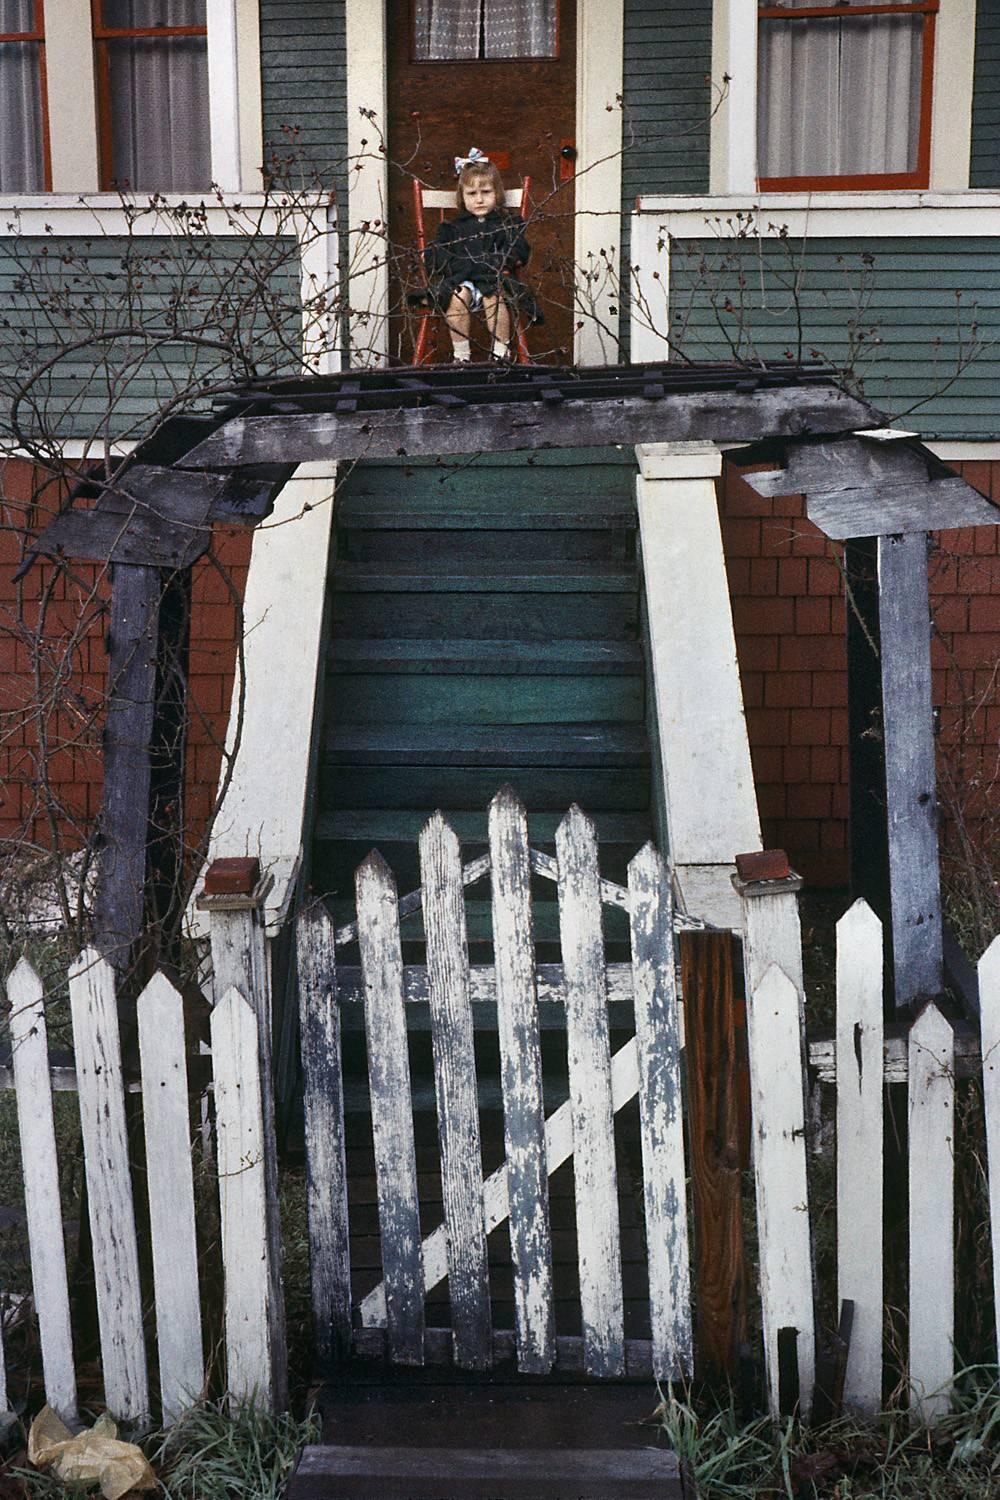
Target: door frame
597,231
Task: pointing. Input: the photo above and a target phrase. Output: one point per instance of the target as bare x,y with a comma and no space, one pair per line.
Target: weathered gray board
717,416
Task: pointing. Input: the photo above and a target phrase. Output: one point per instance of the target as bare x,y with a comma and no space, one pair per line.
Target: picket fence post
989,1021
931,1099
40,1171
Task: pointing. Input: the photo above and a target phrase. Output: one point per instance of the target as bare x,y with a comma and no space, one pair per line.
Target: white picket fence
391,1319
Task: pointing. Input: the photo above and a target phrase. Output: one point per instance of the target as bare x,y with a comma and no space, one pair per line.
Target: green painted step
479,922
533,658
417,549
528,617
468,745
548,788
385,826
403,698
486,578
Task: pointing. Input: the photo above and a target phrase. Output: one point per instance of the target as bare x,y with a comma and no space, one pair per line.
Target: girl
469,265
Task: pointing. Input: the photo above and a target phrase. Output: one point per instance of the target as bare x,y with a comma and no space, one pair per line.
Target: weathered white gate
391,1319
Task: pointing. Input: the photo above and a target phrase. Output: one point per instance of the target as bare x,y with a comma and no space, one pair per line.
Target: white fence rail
392,1317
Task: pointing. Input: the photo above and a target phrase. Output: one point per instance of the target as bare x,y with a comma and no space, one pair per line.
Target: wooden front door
522,113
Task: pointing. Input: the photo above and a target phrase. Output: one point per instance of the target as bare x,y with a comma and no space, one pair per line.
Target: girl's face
480,196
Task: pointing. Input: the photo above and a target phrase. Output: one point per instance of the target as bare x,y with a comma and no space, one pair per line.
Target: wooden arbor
857,488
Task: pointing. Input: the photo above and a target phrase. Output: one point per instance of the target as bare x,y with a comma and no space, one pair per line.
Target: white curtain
839,97
22,162
159,98
446,29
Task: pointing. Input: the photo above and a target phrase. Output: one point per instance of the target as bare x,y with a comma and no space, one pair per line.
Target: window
453,30
152,94
23,143
844,94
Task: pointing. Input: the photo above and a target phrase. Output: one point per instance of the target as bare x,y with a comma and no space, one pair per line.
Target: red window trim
102,70
920,176
37,35
451,62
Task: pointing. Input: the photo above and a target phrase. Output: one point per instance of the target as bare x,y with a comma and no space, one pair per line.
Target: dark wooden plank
722,416
879,510
467,745
498,616
478,657
487,577
869,838
718,1132
487,698
910,773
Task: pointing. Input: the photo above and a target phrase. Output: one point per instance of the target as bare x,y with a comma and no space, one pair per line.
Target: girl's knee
461,298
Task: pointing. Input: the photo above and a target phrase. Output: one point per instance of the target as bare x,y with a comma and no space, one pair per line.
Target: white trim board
367,181
828,215
733,148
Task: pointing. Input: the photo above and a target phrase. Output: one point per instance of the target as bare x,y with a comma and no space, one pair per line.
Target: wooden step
547,788
402,826
563,658
403,698
498,615
484,578
530,745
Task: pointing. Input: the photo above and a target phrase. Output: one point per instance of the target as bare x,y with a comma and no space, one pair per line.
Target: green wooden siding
915,323
304,82
985,157
667,101
98,335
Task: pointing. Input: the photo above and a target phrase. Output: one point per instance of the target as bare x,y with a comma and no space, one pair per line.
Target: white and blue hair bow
475,158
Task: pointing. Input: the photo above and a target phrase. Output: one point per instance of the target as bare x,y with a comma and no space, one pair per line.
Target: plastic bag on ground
97,1456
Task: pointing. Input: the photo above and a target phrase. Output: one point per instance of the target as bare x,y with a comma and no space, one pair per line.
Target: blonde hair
474,170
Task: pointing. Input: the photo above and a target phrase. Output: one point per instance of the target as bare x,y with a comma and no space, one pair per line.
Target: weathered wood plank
246,1247
455,1090
568,1355
558,1149
109,1185
989,998
170,1178
392,1117
910,770
521,1079
895,1062
859,1150
657,1032
590,1095
931,1096
326,1166
483,989
718,1108
887,508
780,1178
40,1171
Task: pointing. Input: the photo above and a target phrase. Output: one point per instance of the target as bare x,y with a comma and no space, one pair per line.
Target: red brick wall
788,608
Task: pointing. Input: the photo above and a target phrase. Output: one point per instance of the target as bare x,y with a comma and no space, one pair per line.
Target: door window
455,30
22,115
844,93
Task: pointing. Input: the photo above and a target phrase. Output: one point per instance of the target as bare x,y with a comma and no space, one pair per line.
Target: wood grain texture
40,1170
109,1185
392,1116
326,1164
931,1110
859,1150
246,1247
455,1091
589,1058
718,1106
170,1180
989,998
780,1178
657,1030
521,1080
910,770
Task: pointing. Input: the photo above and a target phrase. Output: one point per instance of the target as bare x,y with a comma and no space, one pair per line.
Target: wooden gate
390,1320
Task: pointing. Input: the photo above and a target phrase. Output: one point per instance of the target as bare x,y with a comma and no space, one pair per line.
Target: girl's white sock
461,351
500,350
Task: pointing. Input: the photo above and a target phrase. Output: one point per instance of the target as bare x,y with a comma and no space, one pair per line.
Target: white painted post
989,1022
241,961
657,1030
859,1150
243,1203
40,1170
367,230
785,1251
224,95
109,1185
931,1093
696,681
170,1178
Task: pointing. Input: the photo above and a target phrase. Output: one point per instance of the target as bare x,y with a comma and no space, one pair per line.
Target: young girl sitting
470,263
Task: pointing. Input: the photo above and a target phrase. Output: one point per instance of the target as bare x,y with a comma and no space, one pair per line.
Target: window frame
37,35
452,62
847,182
102,35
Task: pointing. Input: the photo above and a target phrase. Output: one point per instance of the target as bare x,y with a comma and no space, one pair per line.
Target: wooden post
911,799
869,850
240,960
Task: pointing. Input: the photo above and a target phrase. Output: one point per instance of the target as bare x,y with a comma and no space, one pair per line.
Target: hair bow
475,158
